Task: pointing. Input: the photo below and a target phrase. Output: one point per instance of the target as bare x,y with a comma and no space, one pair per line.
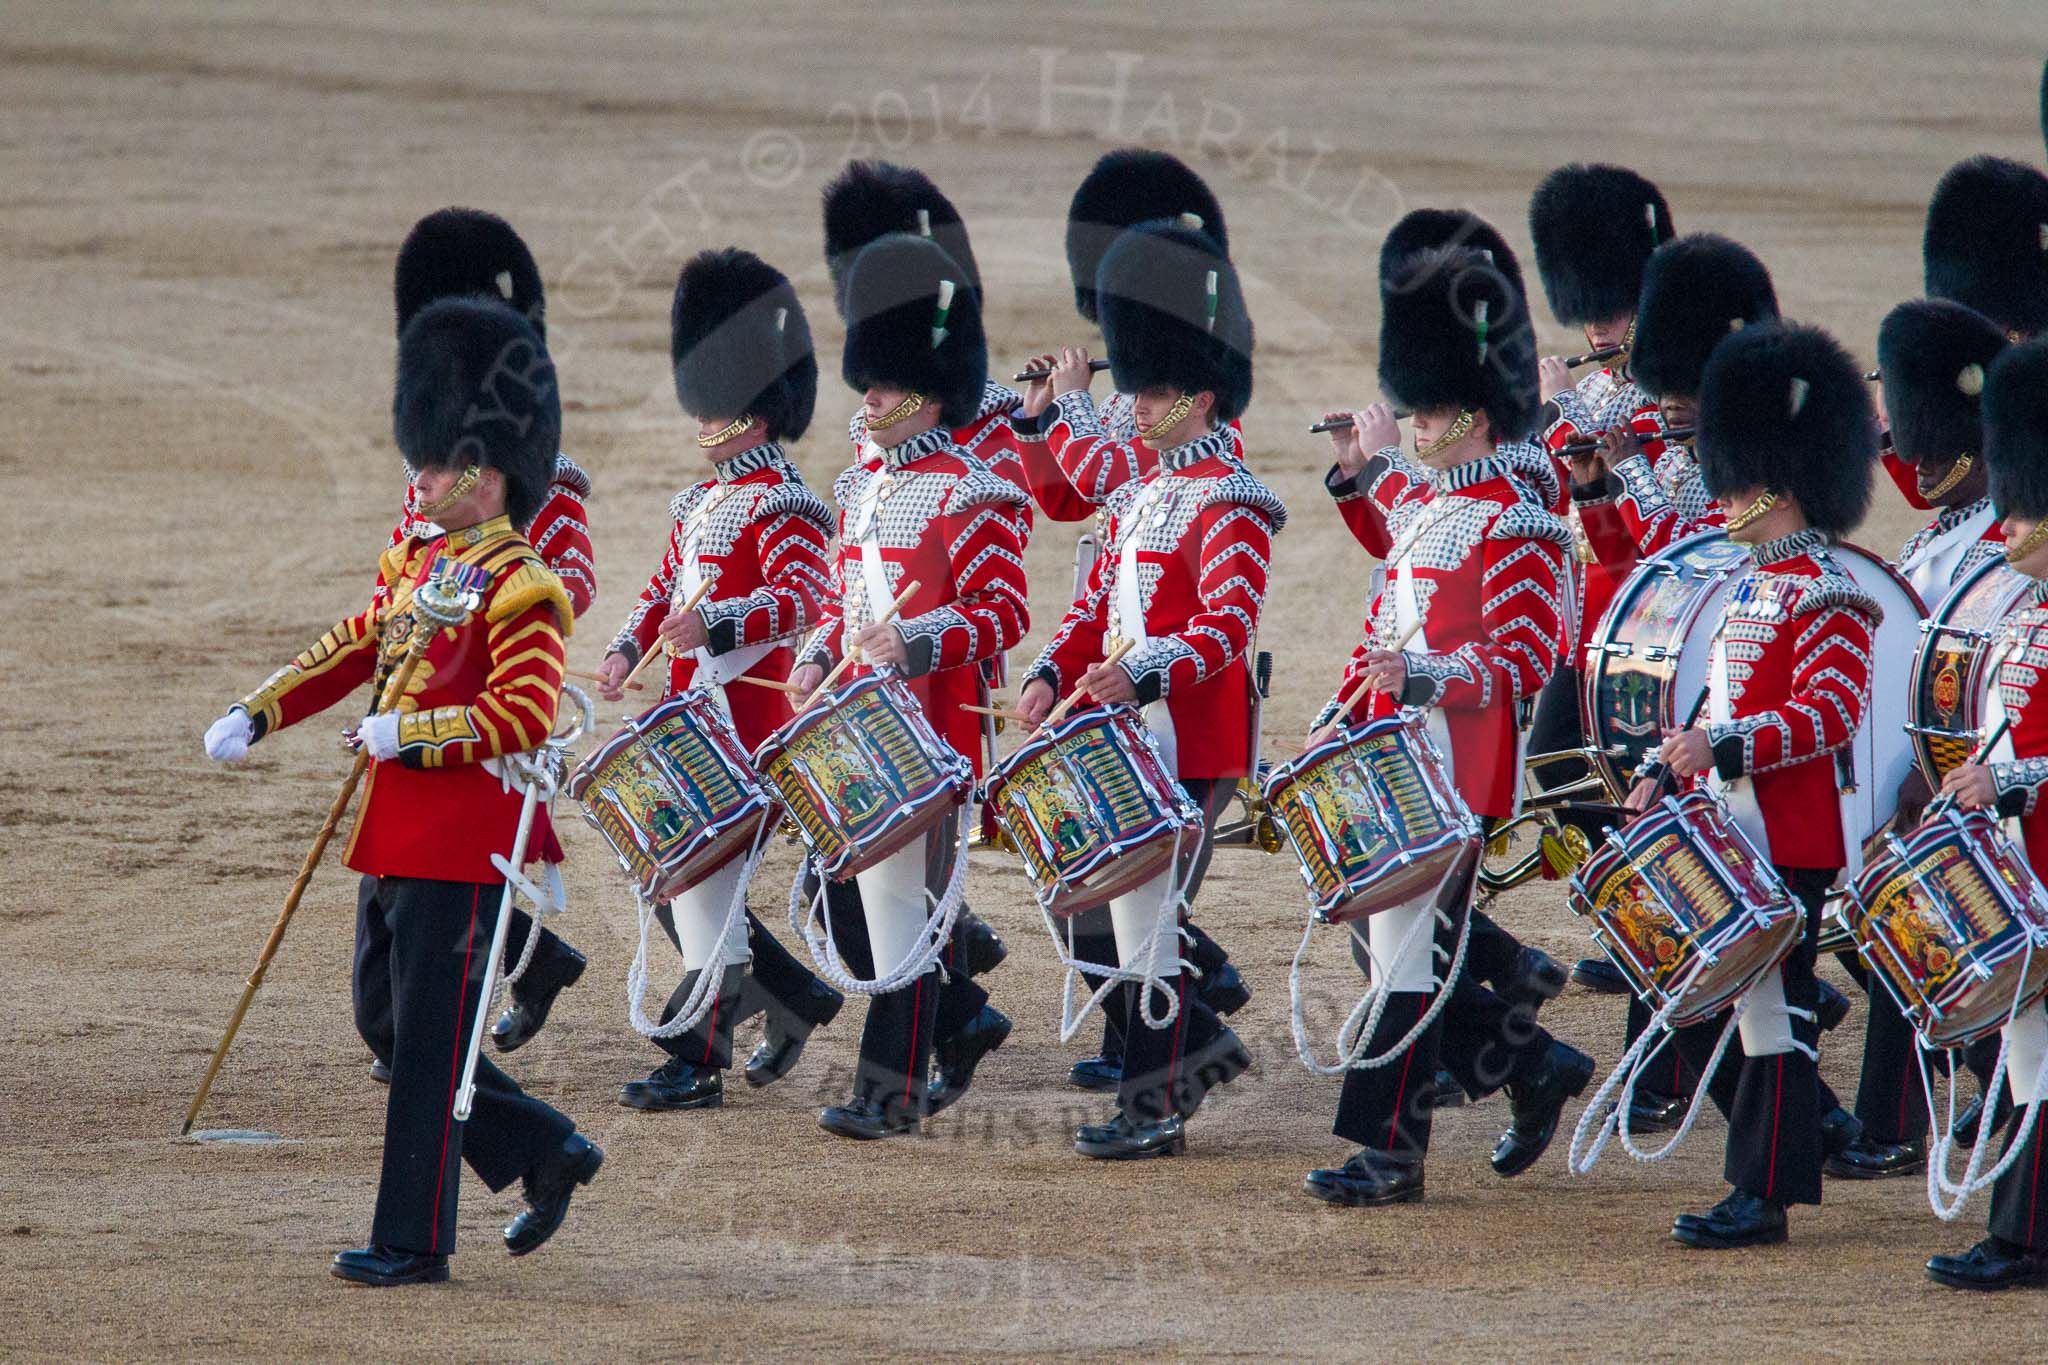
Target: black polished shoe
1993,1263
676,1084
787,1029
1653,1111
1839,1131
1833,1007
1445,1092
1368,1180
379,1072
1535,978
1095,1073
957,1057
1122,1140
531,1001
1536,1105
1972,1114
865,1121
1224,990
1868,1159
1216,1065
981,948
548,1187
1740,1220
387,1266
1598,974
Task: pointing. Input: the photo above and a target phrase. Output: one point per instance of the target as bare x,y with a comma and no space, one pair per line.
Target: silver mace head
444,602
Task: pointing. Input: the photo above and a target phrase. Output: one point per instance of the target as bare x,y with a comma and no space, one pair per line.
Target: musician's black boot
1740,1220
980,949
379,1072
1839,1130
864,1120
387,1266
1535,978
1122,1139
1444,1092
1095,1073
1212,1065
676,1084
535,994
1368,1179
1535,1106
548,1187
1224,990
788,1028
1653,1111
1993,1263
957,1057
1833,1007
1973,1114
1868,1159
1599,975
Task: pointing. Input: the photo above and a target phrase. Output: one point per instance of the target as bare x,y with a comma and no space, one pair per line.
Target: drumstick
1028,376
1984,746
1117,650
1653,769
1000,713
1358,689
703,589
628,686
751,680
846,660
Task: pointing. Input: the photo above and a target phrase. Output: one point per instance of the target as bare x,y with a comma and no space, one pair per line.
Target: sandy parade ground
199,205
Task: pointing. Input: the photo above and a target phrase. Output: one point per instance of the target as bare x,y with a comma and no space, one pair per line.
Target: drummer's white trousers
699,914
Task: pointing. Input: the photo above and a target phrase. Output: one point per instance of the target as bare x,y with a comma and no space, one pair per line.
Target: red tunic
1484,559
1600,402
763,536
1366,519
1906,478
2021,779
1098,449
1796,635
1660,501
560,533
1203,528
994,438
486,687
941,518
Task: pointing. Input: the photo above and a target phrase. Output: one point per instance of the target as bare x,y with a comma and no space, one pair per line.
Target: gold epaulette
524,580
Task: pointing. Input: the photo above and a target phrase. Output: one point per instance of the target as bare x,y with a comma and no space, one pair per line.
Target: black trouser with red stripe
2019,1198
548,954
1480,1038
777,973
1773,1103
420,953
1891,1093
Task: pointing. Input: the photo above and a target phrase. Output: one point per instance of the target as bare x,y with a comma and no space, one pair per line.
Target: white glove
379,735
227,739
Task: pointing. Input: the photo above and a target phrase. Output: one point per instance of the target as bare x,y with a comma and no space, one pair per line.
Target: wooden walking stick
659,650
434,605
1350,699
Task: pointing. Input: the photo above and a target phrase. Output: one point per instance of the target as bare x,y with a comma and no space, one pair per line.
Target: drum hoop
1934,629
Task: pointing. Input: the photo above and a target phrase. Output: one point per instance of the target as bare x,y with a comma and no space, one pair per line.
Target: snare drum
1091,807
1945,917
1372,819
864,773
1683,904
673,794
1956,664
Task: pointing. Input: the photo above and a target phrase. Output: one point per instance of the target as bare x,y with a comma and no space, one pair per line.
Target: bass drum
1647,663
1955,664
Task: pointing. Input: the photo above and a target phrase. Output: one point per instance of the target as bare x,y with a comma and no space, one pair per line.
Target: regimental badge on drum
1948,687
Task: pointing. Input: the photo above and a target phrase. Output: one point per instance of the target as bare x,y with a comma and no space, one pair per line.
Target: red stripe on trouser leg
1777,1110
455,1064
916,1020
711,1031
1401,1090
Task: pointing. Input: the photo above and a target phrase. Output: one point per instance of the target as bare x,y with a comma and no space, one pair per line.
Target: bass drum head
1956,662
1884,750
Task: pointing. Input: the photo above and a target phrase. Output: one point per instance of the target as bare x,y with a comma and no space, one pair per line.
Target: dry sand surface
199,204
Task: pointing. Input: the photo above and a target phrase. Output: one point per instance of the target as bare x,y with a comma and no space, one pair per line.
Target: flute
1587,447
1030,376
1598,355
1344,423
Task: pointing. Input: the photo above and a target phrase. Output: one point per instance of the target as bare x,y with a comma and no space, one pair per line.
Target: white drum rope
1580,1158
930,944
1148,972
732,940
1945,1196
1355,1037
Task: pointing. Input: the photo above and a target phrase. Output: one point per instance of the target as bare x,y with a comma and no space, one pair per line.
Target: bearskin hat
871,199
740,343
1933,356
1421,229
1126,187
1173,315
1594,228
475,386
1784,407
913,322
1986,245
456,253
2016,430
1455,333
1696,290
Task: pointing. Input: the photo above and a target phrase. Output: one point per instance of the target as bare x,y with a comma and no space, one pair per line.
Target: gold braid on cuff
912,404
462,489
725,433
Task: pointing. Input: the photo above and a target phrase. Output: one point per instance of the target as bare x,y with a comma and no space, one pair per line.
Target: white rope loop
1948,1197
539,771
930,944
1580,1156
1148,971
732,940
